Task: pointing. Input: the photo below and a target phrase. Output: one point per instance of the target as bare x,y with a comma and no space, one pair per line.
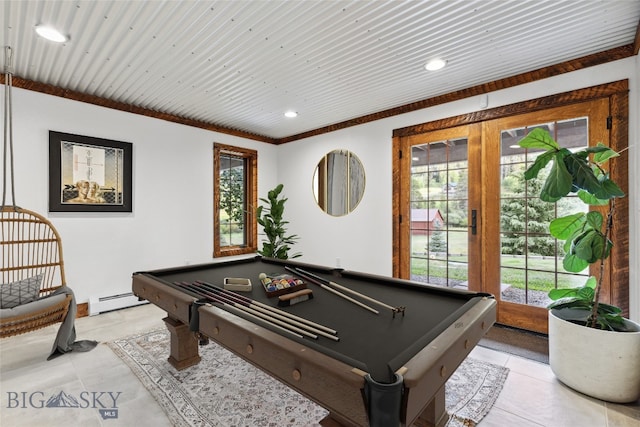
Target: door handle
474,221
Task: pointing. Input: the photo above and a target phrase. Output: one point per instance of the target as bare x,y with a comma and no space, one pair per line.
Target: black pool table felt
378,344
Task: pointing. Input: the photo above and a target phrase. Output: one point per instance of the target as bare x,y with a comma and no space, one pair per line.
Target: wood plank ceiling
237,66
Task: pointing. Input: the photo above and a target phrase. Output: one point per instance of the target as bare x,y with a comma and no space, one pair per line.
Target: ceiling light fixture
291,114
435,64
51,33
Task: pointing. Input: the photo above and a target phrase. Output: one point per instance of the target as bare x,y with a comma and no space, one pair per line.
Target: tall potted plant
270,217
592,347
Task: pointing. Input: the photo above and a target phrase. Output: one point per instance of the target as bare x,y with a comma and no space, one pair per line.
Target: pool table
386,369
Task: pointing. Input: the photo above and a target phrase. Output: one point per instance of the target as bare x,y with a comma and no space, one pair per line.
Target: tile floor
531,395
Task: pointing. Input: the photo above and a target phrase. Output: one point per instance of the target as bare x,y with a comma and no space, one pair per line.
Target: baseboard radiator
113,302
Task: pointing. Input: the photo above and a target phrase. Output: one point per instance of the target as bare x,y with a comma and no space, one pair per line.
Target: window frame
250,158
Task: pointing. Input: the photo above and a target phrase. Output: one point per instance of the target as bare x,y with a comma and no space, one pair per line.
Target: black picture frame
88,174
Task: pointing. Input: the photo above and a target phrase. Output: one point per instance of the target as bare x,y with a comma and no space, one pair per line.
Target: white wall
171,223
172,219
363,239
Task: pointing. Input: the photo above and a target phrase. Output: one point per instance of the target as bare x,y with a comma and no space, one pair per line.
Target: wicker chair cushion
32,307
20,292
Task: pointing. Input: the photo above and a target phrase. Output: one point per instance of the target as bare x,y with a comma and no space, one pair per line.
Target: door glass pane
531,259
439,206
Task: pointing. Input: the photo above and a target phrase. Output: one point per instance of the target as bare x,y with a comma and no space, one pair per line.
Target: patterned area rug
224,390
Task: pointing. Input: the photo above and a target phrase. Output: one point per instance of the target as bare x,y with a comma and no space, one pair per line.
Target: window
235,182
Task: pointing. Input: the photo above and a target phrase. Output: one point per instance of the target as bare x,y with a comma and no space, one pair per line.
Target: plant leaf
564,227
590,199
594,219
573,264
575,303
591,179
539,138
540,163
592,247
582,174
603,153
586,293
559,181
557,294
583,247
609,309
611,189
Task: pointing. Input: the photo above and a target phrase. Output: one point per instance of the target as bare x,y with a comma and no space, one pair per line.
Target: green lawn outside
540,274
457,240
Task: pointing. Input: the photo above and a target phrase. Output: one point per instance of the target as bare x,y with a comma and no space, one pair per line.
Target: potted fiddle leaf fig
270,217
592,347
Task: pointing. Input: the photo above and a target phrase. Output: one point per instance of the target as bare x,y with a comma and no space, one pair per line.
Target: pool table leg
184,345
435,414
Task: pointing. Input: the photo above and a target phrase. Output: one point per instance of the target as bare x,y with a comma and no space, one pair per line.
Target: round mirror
338,182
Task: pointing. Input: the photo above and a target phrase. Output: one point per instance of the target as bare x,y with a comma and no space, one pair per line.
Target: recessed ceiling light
291,114
435,64
51,33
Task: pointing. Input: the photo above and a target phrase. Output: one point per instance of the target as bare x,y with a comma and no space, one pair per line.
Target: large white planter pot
600,364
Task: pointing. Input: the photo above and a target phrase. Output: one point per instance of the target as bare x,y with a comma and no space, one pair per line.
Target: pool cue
351,291
275,312
236,311
330,289
220,299
289,324
274,309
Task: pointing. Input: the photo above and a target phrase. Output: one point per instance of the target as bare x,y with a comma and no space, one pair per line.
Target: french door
468,219
523,261
440,230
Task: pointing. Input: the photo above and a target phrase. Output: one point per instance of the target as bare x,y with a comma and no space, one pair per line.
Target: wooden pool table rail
333,384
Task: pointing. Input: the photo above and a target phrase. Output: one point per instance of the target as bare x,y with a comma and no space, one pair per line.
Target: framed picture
89,174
